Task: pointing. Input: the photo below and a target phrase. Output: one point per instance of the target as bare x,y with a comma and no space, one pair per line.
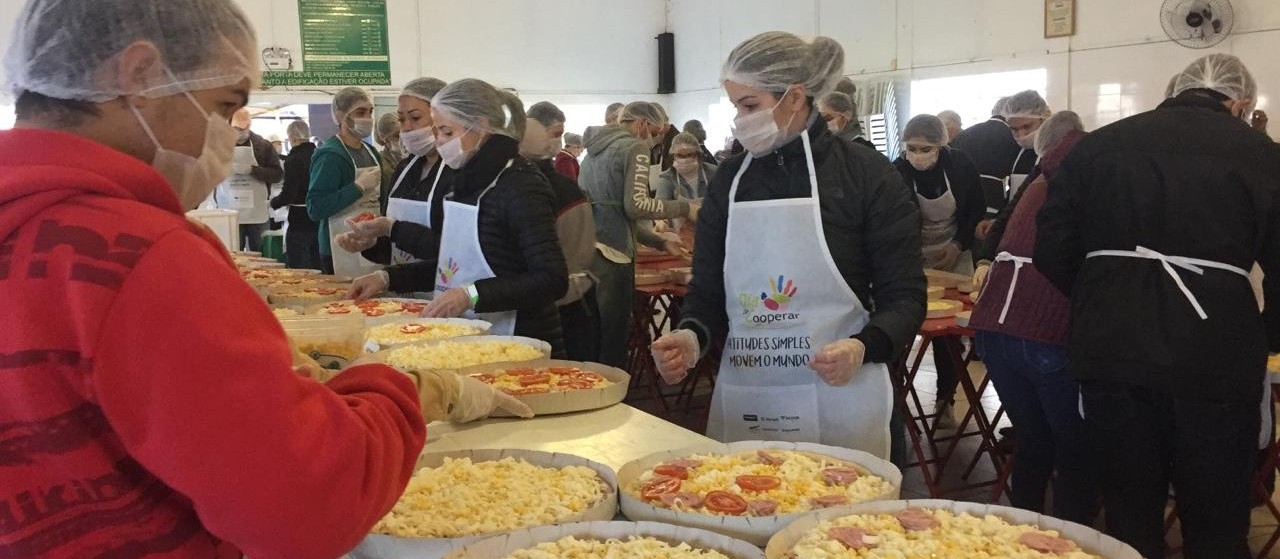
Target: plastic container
306,295
503,546
224,223
332,341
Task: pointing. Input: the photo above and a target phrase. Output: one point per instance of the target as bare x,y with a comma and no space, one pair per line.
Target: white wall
1117,64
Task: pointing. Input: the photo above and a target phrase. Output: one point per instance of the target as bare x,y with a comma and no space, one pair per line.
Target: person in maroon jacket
149,406
1022,323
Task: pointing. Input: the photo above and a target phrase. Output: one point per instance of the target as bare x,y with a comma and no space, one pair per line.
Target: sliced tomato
485,378
338,310
672,470
373,312
413,308
659,486
521,372
366,216
531,380
413,328
564,370
527,391
593,377
725,502
758,483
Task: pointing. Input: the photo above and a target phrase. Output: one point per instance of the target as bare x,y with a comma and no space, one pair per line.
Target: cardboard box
754,529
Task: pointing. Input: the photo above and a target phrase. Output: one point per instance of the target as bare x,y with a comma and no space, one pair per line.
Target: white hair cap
774,61
69,49
482,107
1026,104
1223,73
928,128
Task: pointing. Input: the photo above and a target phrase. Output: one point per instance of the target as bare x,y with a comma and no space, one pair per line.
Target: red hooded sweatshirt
148,406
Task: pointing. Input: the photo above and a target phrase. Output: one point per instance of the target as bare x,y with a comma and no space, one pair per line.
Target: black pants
1149,440
948,377
580,321
251,236
302,241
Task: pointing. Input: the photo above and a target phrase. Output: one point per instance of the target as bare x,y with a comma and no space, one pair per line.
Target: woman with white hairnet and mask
1025,112
208,444
1022,322
796,240
415,203
1150,227
387,133
689,176
841,114
499,257
346,179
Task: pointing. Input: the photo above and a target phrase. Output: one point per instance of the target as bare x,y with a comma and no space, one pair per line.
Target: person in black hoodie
301,246
416,198
1150,226
805,353
499,256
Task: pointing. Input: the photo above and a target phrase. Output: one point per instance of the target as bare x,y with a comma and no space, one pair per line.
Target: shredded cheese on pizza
465,498
403,333
771,482
458,355
632,548
543,380
373,308
955,536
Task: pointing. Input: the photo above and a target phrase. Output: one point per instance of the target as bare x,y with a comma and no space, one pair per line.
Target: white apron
412,211
243,193
786,300
352,263
1014,182
939,224
462,261
1018,263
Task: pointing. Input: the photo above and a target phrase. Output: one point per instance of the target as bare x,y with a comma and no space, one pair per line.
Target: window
973,96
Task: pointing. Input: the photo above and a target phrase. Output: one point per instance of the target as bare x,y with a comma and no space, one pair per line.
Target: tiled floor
913,487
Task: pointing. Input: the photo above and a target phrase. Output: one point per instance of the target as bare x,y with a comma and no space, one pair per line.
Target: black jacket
297,176
869,218
994,152
1189,180
965,186
517,235
416,239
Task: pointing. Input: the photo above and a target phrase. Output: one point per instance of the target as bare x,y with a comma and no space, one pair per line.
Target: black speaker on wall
666,63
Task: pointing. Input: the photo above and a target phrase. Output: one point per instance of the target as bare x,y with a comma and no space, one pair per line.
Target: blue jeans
1043,403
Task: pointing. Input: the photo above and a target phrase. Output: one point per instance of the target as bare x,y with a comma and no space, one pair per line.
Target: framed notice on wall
1059,18
344,42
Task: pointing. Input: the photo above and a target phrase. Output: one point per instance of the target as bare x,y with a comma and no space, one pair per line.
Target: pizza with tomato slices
397,333
373,308
543,380
758,483
915,532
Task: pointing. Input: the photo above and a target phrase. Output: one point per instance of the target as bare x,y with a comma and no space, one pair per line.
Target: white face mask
686,166
758,132
1028,141
452,153
193,178
420,142
362,127
923,161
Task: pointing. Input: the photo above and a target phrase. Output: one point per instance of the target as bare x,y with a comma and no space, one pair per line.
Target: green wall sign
344,42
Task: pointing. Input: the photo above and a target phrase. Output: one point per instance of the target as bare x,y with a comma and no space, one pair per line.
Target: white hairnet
640,110
345,100
685,139
299,130
926,127
388,124
482,107
1223,73
998,108
695,127
838,102
774,61
1055,129
847,87
662,112
68,49
423,88
1026,104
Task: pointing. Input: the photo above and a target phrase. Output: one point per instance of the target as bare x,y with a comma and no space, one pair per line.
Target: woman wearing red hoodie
148,403
1022,322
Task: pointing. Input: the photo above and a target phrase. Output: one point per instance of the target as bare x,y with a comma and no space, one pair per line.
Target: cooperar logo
775,303
448,271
